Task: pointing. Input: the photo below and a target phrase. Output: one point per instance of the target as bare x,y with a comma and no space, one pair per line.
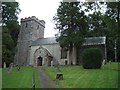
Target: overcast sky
43,10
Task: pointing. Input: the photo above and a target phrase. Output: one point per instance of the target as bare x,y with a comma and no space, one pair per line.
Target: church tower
31,29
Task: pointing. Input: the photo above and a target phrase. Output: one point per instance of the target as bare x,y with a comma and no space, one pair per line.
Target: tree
71,22
7,47
114,15
96,24
10,10
105,24
10,30
112,23
14,28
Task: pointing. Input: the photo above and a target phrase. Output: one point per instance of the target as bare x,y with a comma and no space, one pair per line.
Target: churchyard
73,77
88,35
77,77
19,79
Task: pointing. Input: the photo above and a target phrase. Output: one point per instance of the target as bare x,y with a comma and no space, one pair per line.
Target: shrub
92,58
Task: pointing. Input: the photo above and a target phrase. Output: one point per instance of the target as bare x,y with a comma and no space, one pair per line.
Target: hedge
92,58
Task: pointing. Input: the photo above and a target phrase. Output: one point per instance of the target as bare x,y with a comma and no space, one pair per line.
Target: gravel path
45,80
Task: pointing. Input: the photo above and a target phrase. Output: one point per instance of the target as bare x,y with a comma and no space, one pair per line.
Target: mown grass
19,79
0,78
77,77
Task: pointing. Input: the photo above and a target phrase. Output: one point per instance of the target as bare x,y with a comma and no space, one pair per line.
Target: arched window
63,53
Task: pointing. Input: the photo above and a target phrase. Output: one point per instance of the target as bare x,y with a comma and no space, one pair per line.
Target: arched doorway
42,57
39,61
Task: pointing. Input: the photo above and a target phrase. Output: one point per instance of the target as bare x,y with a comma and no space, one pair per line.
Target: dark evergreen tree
105,24
112,17
71,22
10,10
10,30
7,47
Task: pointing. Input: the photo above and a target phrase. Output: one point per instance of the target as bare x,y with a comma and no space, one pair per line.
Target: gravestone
51,63
103,63
10,67
18,68
59,75
4,65
109,62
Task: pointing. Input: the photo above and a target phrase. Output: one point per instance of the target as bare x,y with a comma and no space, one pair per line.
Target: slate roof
44,41
52,40
94,40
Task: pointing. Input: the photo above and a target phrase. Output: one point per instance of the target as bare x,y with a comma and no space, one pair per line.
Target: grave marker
4,65
10,67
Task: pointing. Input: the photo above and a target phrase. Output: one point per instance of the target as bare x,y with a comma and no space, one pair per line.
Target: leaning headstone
103,63
4,65
109,62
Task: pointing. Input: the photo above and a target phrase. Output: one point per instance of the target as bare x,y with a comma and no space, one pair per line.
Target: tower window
38,27
26,25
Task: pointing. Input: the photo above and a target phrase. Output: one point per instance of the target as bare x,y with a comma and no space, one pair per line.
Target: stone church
34,49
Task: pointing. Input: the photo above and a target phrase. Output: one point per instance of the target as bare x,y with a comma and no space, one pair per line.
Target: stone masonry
31,30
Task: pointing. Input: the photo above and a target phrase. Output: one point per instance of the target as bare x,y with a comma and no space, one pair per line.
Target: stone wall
54,50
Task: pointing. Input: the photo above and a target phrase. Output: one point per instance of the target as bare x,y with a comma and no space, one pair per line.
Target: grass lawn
0,78
77,77
19,79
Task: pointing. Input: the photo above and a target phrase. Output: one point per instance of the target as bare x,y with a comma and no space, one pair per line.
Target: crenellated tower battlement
42,22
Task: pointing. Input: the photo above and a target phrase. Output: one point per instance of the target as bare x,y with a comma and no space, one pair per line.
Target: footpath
45,80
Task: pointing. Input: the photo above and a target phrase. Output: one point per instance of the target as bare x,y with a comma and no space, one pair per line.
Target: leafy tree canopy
71,22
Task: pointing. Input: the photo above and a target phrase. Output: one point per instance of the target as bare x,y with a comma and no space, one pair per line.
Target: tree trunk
72,55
